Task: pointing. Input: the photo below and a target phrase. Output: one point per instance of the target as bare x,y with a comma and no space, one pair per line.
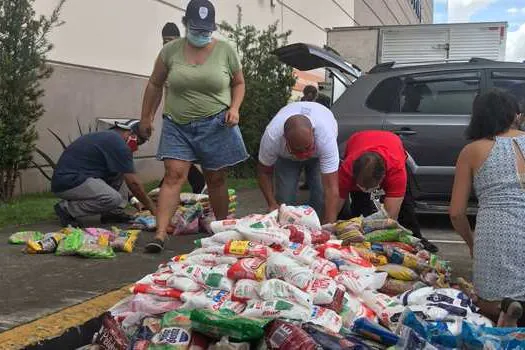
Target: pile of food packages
89,242
281,281
193,215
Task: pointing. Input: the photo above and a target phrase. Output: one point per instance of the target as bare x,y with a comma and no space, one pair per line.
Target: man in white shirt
302,134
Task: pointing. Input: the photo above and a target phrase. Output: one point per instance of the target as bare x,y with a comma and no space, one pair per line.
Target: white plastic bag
276,309
322,290
357,281
281,266
277,289
304,254
218,239
326,318
300,215
245,290
385,307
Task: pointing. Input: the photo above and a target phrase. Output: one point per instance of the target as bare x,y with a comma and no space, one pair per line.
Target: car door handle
405,132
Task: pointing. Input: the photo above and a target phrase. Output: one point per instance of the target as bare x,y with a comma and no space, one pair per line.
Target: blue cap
200,15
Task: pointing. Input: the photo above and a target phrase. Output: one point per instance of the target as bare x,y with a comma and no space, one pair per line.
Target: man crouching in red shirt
376,160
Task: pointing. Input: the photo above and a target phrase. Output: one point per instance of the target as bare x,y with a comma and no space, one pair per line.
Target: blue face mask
199,39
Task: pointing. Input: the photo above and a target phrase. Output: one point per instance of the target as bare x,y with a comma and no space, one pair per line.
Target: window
450,94
416,5
512,82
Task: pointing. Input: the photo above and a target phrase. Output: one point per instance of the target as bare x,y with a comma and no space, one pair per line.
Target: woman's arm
238,89
460,197
152,97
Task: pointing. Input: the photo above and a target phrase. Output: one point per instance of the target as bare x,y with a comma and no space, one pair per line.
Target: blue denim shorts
208,142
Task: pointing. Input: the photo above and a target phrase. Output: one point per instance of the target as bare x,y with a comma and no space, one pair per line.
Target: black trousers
362,205
195,178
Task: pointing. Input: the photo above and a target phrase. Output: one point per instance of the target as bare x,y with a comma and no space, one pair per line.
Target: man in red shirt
376,160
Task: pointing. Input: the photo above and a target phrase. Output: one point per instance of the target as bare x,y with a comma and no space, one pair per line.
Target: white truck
410,44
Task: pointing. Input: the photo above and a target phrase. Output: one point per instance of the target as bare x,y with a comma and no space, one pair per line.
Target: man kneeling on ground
91,172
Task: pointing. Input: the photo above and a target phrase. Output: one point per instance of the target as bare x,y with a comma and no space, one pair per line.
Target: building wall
391,12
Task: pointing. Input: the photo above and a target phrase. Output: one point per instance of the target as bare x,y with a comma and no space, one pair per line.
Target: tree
269,83
23,48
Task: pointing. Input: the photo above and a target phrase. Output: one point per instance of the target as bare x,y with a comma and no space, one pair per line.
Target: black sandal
155,247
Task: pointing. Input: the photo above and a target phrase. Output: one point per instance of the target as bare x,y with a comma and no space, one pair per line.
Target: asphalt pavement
32,286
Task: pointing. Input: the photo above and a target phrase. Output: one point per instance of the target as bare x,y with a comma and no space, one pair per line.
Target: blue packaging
475,337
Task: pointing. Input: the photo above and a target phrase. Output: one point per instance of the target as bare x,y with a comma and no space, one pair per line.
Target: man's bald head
299,135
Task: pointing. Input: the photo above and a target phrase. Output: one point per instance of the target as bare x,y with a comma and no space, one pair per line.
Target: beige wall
391,12
363,48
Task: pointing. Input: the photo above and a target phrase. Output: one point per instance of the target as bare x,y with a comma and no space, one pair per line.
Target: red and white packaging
299,234
248,268
245,249
355,309
277,289
152,304
320,236
224,225
183,284
246,290
322,290
212,299
156,290
385,307
281,266
357,281
303,215
303,253
205,259
324,267
326,318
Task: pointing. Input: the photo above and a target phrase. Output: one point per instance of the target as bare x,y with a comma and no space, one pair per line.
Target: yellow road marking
56,324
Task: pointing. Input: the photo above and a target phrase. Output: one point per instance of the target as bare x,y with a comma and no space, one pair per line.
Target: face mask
133,143
198,39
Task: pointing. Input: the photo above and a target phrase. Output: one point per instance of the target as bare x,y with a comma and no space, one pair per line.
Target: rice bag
125,240
281,335
218,324
386,308
245,290
110,336
220,238
156,290
454,301
264,232
212,299
326,318
184,284
304,254
322,290
369,255
399,272
349,231
96,248
277,289
390,235
324,267
337,300
217,278
393,287
357,281
281,266
48,244
25,236
71,243
245,249
354,309
299,234
370,225
248,268
320,236
303,215
276,309
224,225
205,259
186,219
153,304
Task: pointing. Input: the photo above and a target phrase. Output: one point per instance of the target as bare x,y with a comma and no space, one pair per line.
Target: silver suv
427,105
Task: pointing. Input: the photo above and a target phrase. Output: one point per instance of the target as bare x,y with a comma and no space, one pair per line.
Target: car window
512,83
451,94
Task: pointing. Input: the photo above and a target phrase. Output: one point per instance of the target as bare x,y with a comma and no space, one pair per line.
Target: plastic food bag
245,249
153,304
245,290
354,309
320,236
384,247
276,309
48,244
326,318
349,231
304,254
357,281
393,287
183,284
96,248
125,240
391,235
218,324
386,308
97,232
300,215
370,225
212,299
277,289
248,268
369,255
171,338
217,278
399,272
281,335
220,238
224,225
264,232
110,336
454,301
299,234
156,290
324,267
330,340
25,236
281,266
71,243
375,332
337,300
205,259
149,222
322,290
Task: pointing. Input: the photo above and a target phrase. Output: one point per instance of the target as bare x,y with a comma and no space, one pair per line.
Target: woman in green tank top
205,89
